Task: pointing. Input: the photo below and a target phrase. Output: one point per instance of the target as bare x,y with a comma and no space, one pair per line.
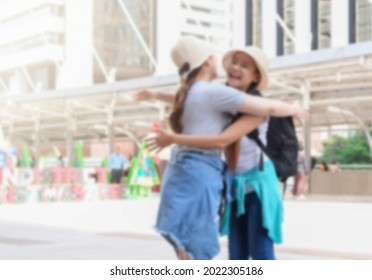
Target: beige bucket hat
189,53
259,57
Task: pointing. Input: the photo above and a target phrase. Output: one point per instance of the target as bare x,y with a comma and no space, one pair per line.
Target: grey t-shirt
249,155
208,109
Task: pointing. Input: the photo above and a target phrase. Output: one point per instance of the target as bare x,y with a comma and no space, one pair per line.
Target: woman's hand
160,141
144,95
301,114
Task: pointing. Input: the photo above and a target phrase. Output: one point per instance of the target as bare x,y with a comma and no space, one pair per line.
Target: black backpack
282,145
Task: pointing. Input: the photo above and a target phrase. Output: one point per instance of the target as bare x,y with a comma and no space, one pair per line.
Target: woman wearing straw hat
192,183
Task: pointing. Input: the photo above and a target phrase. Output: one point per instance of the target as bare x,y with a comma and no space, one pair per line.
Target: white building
213,20
54,44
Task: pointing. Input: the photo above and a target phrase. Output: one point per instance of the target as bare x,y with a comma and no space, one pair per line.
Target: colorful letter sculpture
143,174
25,158
78,161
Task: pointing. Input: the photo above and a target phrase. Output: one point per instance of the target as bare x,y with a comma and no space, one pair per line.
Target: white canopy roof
335,83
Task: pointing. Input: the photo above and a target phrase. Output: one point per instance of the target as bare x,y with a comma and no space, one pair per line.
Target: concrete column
70,133
18,83
239,23
339,23
11,141
329,131
2,138
77,68
307,129
37,142
168,30
303,26
70,147
269,34
10,137
111,132
163,118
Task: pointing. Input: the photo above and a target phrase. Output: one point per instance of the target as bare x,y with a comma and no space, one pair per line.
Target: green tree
352,150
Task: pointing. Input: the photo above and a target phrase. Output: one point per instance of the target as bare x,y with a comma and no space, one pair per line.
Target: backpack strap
261,167
254,136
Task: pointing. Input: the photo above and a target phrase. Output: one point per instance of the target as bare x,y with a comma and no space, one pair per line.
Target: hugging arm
267,107
146,94
235,131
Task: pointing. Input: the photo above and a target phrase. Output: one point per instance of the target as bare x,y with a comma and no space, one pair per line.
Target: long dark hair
232,150
252,89
179,101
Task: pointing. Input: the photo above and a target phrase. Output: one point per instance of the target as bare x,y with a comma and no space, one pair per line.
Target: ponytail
179,101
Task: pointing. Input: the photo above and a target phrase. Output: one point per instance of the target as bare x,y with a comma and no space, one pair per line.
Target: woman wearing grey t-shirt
192,183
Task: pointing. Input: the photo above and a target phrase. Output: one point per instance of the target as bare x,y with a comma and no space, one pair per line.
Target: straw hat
190,53
259,58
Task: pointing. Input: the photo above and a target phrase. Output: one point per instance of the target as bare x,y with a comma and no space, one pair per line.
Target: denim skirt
191,194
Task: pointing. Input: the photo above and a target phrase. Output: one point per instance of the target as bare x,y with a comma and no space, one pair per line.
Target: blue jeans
248,239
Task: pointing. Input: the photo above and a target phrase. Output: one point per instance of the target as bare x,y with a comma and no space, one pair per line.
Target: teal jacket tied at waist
266,185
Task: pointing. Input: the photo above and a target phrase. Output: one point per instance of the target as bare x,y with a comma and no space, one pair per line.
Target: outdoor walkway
30,242
314,228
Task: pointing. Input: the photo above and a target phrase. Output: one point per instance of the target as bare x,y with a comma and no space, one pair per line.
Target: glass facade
257,23
253,23
207,23
363,20
116,42
324,24
289,19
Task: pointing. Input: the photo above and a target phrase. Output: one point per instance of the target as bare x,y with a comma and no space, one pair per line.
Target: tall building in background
31,44
363,20
285,9
314,24
116,41
217,21
54,44
288,27
253,23
209,20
